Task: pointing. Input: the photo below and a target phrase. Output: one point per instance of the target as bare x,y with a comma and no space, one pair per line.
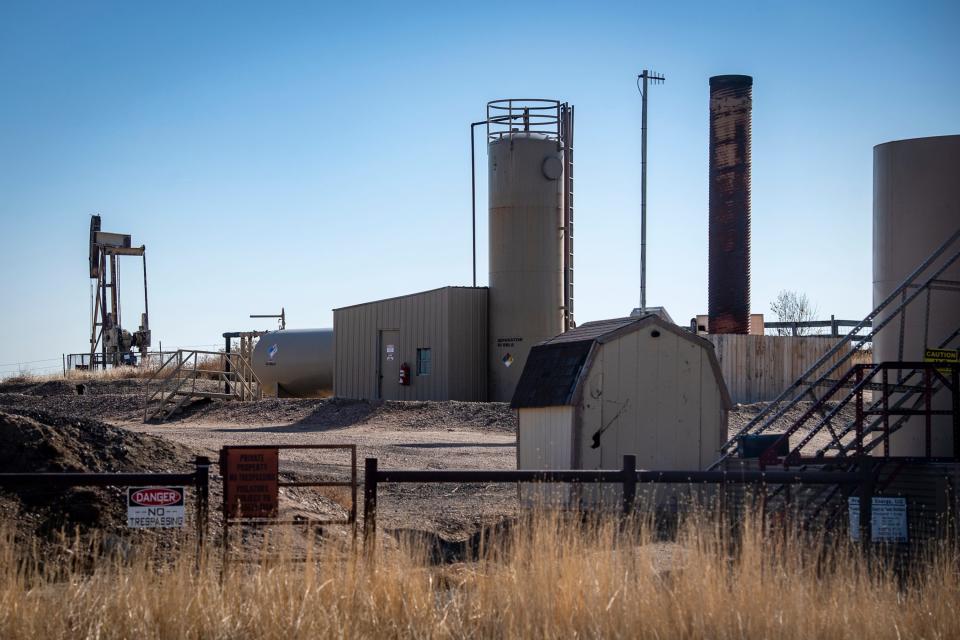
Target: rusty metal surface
729,261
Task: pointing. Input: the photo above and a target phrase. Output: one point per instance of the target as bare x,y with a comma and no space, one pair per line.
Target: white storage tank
916,207
526,226
295,363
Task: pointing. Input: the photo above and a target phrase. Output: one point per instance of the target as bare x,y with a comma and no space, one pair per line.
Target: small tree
791,306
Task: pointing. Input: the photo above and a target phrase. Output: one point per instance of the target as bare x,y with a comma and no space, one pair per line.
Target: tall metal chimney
731,99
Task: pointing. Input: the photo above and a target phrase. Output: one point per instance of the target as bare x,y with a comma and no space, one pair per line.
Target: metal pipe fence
628,477
199,479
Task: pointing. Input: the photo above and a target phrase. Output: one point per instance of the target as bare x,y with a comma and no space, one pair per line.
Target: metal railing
199,479
628,477
868,434
182,376
513,116
911,288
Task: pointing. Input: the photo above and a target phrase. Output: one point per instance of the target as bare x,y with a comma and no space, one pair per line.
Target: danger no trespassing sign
155,507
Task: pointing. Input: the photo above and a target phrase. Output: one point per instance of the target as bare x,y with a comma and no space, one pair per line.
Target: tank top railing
523,116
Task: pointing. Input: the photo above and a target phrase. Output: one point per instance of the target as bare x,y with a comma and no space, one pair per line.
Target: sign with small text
250,482
156,507
888,522
948,356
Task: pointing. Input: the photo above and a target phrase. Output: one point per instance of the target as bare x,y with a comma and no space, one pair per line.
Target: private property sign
155,507
250,482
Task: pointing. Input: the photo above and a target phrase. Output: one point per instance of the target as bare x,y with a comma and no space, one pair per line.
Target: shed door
389,369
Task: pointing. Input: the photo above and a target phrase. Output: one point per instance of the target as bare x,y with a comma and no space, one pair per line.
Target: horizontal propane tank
295,363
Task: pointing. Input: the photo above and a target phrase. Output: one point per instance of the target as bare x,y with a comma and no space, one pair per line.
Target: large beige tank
526,303
916,207
295,362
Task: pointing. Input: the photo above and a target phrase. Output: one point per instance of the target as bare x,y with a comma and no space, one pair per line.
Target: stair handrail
850,426
178,377
727,448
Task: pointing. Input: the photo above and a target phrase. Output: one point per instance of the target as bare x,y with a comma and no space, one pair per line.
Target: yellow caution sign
951,356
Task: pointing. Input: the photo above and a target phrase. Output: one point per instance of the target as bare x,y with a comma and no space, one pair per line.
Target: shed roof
550,375
555,367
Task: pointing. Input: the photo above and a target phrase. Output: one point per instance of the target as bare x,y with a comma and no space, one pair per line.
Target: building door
389,370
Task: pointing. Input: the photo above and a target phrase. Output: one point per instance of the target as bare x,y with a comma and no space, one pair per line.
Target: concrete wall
451,321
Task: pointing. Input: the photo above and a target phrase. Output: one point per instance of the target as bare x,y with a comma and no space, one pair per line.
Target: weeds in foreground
549,576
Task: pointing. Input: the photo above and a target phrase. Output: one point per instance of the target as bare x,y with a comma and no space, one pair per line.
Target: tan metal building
440,335
638,386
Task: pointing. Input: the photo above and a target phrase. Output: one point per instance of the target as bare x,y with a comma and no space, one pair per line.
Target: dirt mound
122,400
105,406
34,441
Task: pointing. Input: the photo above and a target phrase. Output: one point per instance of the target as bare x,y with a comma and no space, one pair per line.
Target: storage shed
440,335
639,386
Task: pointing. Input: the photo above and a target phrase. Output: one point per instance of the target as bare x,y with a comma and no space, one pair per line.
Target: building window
424,363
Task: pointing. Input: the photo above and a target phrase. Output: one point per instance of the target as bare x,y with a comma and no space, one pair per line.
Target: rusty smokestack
731,99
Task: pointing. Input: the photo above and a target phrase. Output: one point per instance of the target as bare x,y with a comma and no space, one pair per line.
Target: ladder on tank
909,395
190,374
566,135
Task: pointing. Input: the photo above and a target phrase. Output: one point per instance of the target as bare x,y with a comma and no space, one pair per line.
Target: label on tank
507,360
272,351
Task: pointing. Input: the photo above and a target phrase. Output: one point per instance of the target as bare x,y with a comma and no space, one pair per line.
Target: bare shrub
794,307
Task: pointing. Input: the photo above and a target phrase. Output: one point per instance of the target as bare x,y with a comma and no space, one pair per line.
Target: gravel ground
415,435
36,441
743,413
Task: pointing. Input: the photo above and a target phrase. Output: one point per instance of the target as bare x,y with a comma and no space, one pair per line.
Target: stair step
195,394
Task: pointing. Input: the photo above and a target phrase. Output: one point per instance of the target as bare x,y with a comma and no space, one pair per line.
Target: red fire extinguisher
405,374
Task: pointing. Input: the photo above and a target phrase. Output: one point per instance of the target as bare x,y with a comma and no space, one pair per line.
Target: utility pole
654,78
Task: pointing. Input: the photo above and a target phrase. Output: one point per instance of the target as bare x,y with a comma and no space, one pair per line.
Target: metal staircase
909,394
190,374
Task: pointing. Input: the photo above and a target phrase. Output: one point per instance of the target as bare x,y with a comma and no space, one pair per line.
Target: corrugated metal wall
451,321
760,368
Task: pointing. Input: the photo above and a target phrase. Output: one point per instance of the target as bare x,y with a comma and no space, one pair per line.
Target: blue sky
305,156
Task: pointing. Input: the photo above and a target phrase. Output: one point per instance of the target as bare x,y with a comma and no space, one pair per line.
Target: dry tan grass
76,375
209,362
549,578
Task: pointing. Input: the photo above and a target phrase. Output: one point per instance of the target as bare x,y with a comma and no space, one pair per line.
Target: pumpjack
110,344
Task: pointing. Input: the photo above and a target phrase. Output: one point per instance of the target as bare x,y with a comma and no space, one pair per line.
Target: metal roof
418,293
590,331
